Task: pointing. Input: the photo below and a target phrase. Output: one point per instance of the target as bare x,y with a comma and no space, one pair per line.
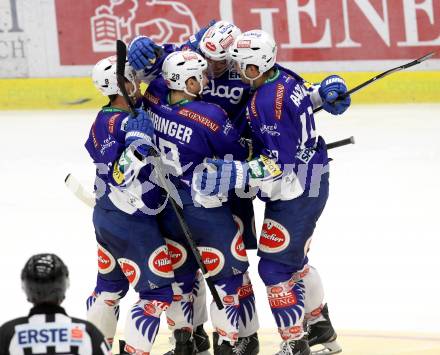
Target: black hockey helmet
45,279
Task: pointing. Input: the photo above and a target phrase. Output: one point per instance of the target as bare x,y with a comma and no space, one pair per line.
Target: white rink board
376,245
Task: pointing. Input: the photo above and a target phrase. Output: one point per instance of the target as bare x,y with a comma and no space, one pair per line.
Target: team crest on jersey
106,262
160,262
274,237
131,270
177,253
213,259
238,248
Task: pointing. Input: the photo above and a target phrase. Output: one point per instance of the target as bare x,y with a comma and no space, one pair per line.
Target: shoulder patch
253,105
199,118
150,97
272,167
279,95
95,140
111,123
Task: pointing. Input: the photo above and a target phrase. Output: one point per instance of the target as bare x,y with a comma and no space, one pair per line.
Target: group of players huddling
231,124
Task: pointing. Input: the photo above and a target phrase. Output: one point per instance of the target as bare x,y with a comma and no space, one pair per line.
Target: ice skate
184,343
322,336
248,345
295,347
245,346
201,339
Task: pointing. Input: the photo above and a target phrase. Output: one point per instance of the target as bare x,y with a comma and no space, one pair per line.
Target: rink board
352,343
80,93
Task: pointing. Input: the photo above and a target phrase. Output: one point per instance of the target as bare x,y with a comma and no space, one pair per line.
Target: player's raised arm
147,57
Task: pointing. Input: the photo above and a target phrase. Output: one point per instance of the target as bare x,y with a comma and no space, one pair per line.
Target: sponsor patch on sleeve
272,167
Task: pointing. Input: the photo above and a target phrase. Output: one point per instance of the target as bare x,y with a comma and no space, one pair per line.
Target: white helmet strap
251,80
200,81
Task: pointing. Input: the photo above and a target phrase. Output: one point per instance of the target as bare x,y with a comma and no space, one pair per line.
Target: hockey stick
382,75
341,143
121,54
79,191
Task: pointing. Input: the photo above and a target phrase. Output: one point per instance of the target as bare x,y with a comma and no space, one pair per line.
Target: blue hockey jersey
280,113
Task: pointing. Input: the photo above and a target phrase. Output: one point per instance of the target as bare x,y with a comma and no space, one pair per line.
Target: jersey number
170,155
307,132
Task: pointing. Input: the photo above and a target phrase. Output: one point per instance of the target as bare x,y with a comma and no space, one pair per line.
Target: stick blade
352,140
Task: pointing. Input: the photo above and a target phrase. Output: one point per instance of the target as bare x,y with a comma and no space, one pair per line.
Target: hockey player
290,167
131,249
225,89
48,329
187,131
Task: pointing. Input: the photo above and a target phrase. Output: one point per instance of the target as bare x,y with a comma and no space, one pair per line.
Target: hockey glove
139,132
193,42
225,175
142,53
330,90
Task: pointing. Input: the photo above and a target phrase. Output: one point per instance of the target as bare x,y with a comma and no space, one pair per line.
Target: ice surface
376,245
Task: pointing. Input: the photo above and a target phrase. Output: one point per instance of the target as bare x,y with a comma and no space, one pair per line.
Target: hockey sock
180,312
225,321
103,305
143,319
314,296
248,319
285,292
199,303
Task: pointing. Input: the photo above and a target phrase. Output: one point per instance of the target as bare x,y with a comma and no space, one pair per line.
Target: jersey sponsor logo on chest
199,118
232,93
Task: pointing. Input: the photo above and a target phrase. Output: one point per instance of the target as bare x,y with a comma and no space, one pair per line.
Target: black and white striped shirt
49,330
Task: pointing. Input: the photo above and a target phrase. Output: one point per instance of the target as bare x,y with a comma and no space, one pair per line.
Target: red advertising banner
305,30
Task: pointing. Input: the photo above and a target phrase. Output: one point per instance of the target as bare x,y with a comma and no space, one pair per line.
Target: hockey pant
131,251
284,242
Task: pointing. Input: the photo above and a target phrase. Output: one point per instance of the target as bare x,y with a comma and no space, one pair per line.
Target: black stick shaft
382,75
340,143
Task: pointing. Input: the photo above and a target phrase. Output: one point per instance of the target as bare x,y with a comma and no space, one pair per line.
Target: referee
48,329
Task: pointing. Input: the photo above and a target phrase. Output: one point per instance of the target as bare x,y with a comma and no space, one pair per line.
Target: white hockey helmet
179,66
216,41
104,76
254,47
